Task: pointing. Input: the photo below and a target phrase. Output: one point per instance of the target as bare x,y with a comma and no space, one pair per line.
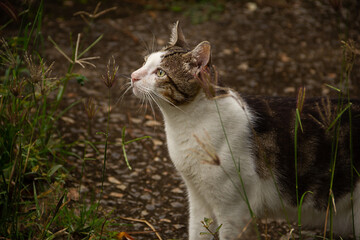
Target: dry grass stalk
146,222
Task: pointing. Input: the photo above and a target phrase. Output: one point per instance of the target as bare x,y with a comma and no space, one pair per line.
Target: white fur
215,191
146,75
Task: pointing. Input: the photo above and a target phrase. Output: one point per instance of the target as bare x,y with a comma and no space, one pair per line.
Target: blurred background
81,186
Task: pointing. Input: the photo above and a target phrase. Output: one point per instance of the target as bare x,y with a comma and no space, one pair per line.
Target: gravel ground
264,48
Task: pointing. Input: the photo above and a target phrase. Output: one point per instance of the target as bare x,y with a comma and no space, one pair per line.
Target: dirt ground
262,48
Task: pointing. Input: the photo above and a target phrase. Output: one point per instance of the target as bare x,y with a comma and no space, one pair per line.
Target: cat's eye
160,73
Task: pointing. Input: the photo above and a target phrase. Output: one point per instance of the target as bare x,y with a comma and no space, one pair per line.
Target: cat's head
171,74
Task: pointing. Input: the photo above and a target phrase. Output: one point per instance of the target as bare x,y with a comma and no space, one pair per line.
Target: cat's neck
192,110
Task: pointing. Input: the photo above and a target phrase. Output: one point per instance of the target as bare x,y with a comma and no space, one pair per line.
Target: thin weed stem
238,171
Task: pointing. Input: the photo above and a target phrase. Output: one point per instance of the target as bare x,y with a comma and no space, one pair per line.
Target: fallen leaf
68,119
115,194
289,90
165,220
113,180
177,190
227,51
121,236
284,57
153,123
136,120
243,66
73,194
157,142
121,187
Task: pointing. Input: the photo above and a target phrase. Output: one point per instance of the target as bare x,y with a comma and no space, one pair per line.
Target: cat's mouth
136,90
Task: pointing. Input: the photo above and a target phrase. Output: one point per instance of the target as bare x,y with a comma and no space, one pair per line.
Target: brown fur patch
274,147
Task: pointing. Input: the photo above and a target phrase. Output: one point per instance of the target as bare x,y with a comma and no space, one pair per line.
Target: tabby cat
236,154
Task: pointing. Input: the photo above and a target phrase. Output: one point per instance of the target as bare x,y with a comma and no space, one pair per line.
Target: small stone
156,177
157,142
178,226
165,220
251,7
153,123
136,120
289,90
68,120
284,57
177,190
121,187
243,66
177,205
144,213
113,180
150,207
116,194
227,51
146,196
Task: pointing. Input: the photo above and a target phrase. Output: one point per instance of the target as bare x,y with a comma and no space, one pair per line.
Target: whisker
145,45
124,76
145,91
166,100
120,99
151,105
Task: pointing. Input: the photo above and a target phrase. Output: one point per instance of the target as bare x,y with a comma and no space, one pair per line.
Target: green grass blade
66,110
36,201
339,115
136,139
123,148
332,87
299,119
54,169
91,45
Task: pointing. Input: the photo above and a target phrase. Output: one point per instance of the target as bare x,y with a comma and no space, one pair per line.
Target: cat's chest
187,142
205,135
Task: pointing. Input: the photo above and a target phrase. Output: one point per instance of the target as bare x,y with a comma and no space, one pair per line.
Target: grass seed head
90,108
110,77
16,87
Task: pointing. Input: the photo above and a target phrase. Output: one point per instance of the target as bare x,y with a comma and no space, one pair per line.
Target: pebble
113,180
150,207
177,190
121,187
145,196
177,205
144,213
156,177
116,194
178,226
153,123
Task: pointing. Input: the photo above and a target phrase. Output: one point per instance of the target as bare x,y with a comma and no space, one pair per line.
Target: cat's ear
202,54
177,36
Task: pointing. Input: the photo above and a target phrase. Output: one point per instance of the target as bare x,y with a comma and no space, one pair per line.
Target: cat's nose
134,77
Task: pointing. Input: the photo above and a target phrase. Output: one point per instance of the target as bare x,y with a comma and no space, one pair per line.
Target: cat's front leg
199,209
233,219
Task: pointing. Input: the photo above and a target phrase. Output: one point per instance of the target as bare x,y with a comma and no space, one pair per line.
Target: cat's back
329,136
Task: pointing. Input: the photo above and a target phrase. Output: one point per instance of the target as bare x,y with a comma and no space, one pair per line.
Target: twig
143,221
245,228
95,14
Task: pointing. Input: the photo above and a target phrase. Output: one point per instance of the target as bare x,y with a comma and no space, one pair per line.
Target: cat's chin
137,93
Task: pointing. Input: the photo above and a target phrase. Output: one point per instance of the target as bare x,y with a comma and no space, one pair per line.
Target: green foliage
80,220
207,222
199,11
31,150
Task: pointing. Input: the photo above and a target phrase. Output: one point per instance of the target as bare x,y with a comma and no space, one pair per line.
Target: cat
236,153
